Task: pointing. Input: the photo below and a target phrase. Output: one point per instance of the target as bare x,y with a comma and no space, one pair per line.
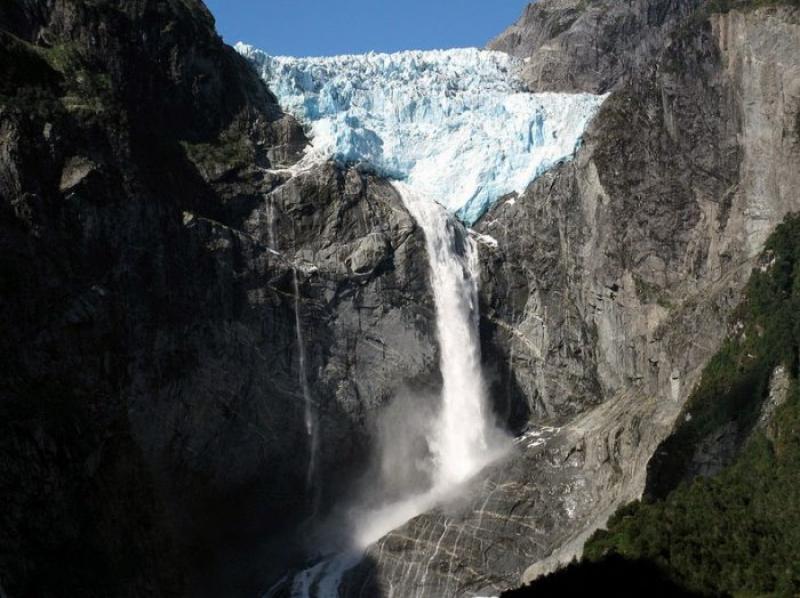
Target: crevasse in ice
455,125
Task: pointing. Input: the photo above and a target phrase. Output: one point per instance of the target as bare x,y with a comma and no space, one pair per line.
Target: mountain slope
592,46
635,256
98,271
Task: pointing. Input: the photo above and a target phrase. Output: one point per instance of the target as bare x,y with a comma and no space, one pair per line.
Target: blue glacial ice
457,126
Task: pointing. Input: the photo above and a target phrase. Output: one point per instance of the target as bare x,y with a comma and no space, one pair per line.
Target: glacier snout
458,126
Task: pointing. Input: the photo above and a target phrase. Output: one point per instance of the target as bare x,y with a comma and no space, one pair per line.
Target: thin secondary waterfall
308,406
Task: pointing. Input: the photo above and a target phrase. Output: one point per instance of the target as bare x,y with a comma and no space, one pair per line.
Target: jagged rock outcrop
610,288
153,438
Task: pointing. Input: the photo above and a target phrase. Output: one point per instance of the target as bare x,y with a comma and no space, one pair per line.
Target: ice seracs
458,126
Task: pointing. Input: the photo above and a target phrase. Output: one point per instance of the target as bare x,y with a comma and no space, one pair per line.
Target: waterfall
308,407
463,439
459,443
271,228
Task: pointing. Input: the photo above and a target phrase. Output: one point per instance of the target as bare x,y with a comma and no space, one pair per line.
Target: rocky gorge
161,250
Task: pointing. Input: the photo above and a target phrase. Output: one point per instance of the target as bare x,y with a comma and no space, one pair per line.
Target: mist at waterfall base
426,444
455,130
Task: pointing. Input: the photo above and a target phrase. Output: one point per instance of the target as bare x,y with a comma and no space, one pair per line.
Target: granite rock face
153,438
609,289
581,45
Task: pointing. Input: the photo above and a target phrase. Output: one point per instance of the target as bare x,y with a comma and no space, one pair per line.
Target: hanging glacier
457,126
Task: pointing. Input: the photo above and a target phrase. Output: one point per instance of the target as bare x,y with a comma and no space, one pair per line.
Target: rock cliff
593,46
156,253
726,530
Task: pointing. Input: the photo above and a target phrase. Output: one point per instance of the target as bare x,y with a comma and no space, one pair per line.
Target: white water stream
308,406
460,443
463,439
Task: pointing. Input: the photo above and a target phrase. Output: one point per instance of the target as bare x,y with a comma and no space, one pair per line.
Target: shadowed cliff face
152,437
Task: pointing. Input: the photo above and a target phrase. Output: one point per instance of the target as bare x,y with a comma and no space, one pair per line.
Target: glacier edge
458,126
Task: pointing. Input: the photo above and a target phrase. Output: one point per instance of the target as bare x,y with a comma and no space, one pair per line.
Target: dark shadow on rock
362,581
612,576
507,400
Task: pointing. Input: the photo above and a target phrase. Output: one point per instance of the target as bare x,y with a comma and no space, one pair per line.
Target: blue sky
326,27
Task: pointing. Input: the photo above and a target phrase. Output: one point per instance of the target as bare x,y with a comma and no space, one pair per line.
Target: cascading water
463,440
271,225
308,406
460,442
456,130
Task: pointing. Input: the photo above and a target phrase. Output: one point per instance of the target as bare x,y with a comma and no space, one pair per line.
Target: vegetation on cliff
764,334
735,533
